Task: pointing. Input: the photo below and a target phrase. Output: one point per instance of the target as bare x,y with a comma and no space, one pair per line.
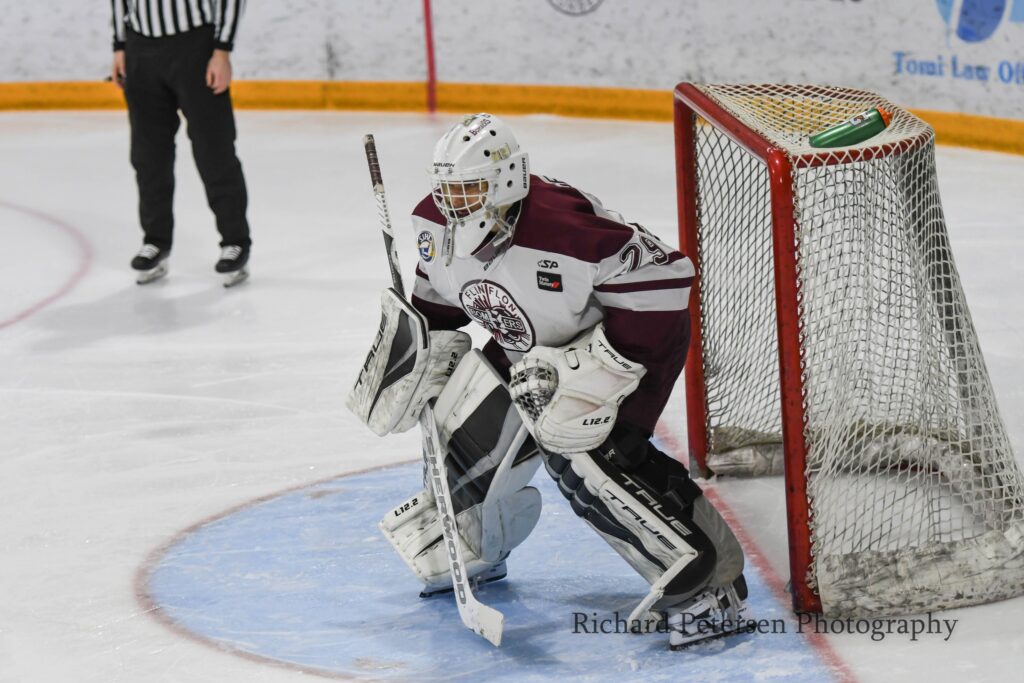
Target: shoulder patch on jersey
425,244
494,308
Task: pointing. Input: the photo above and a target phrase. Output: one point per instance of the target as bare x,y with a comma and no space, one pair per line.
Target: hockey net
831,332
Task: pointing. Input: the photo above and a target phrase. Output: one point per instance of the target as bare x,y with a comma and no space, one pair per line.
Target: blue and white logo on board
425,244
974,21
969,58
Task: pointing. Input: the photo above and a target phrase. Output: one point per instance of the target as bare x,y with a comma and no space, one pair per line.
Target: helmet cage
472,204
460,200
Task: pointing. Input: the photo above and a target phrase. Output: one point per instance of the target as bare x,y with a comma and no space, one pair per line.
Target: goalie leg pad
414,530
645,506
489,462
406,367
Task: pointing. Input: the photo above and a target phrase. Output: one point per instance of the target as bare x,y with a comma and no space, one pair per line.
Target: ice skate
232,264
711,614
150,263
495,573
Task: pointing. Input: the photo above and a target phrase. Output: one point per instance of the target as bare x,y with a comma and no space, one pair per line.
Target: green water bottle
857,129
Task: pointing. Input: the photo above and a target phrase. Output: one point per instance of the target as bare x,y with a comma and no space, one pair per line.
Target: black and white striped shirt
158,18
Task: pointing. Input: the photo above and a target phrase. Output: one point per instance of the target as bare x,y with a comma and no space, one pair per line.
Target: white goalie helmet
478,173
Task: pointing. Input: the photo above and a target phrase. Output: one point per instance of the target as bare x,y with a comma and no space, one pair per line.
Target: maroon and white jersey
571,264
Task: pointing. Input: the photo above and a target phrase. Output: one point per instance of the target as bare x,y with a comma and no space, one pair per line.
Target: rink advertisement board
947,55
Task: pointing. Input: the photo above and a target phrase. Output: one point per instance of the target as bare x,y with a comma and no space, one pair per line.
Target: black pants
164,75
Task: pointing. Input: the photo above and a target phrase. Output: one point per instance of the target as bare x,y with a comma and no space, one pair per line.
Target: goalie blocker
407,365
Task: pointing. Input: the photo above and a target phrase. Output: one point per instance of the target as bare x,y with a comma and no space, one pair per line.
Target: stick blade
486,622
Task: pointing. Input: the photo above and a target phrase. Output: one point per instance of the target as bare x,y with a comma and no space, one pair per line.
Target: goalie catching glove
571,395
406,367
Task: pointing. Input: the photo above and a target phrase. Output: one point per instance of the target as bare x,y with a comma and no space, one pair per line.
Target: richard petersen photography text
913,629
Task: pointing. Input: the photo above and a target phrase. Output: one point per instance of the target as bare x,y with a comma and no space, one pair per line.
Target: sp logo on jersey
494,308
425,243
549,281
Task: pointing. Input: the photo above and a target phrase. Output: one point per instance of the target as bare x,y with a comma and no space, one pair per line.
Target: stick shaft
485,621
382,213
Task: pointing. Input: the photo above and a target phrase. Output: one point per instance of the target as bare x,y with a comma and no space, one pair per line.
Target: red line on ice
151,607
84,261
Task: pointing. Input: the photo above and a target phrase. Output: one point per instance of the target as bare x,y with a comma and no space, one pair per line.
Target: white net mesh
915,499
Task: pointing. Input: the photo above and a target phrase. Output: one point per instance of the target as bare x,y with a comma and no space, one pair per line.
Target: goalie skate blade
236,278
144,277
444,591
703,639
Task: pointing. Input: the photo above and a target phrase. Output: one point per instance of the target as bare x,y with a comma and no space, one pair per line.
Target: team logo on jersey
425,242
549,281
494,308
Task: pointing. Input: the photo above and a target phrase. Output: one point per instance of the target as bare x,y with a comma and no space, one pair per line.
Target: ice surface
130,414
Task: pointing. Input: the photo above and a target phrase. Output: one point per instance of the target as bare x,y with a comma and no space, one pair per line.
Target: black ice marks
493,307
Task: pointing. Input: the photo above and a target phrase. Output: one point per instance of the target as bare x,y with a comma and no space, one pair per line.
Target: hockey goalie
589,331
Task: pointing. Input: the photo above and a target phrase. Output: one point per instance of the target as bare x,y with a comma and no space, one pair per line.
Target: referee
171,56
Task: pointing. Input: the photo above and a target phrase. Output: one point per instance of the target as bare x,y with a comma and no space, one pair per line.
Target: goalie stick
478,617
